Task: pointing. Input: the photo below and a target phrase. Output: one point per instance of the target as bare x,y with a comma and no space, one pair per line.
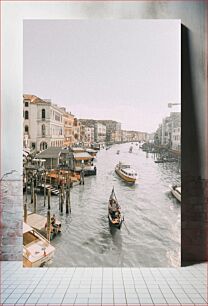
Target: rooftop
52,152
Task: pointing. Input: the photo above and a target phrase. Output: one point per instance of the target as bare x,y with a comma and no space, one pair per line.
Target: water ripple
152,216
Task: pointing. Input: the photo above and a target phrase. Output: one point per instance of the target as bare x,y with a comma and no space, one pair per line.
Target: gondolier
114,211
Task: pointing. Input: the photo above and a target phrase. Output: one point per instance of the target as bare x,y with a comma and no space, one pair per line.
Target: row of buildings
168,133
48,125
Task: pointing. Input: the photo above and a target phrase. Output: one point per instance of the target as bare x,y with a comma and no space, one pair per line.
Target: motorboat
126,172
37,250
114,211
176,191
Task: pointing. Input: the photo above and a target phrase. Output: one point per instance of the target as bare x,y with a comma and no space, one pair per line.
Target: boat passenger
53,219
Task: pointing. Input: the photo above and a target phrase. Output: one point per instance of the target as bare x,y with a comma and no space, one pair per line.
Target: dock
39,222
54,190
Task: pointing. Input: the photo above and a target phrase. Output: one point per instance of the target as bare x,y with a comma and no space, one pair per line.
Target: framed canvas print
101,143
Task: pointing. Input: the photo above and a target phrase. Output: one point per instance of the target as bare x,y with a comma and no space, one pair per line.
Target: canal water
150,236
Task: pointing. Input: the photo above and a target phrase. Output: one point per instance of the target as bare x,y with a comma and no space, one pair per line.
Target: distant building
89,135
43,123
113,130
134,136
99,132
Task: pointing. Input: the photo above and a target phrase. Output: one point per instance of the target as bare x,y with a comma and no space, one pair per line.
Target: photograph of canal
101,143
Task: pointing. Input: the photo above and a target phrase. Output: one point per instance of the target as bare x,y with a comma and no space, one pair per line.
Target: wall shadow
194,202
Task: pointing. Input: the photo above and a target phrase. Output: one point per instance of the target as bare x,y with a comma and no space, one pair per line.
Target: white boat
126,172
37,250
176,191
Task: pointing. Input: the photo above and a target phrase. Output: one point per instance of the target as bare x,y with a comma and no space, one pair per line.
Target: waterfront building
150,137
158,136
124,136
129,136
56,157
81,160
100,132
176,139
89,135
168,133
168,125
113,130
82,133
68,128
43,124
76,131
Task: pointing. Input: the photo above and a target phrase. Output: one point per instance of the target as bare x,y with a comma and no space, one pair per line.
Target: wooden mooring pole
26,186
68,204
67,200
45,188
49,198
32,190
62,198
48,225
25,212
34,202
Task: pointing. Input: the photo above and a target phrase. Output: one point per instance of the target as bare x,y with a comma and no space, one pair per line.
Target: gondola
114,211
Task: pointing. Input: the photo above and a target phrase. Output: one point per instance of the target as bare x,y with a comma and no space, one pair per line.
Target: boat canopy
82,156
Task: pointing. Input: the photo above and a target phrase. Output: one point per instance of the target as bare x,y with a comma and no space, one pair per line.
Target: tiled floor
103,286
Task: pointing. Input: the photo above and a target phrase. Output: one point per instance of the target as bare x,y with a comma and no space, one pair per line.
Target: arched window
43,146
26,129
43,130
26,115
43,113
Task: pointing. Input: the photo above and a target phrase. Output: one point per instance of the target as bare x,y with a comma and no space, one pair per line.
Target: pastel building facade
43,125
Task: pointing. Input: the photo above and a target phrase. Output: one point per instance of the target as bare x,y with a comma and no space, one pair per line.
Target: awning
82,156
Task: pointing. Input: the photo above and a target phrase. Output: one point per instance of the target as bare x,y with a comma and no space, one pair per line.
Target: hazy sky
126,70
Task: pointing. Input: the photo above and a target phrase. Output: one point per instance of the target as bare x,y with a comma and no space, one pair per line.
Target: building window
26,104
26,115
43,114
43,146
43,130
26,129
57,116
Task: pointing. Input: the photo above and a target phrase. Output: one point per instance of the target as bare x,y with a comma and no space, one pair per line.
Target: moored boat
114,211
159,161
176,191
126,172
37,250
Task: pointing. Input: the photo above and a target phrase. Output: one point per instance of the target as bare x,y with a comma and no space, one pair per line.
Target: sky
124,70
